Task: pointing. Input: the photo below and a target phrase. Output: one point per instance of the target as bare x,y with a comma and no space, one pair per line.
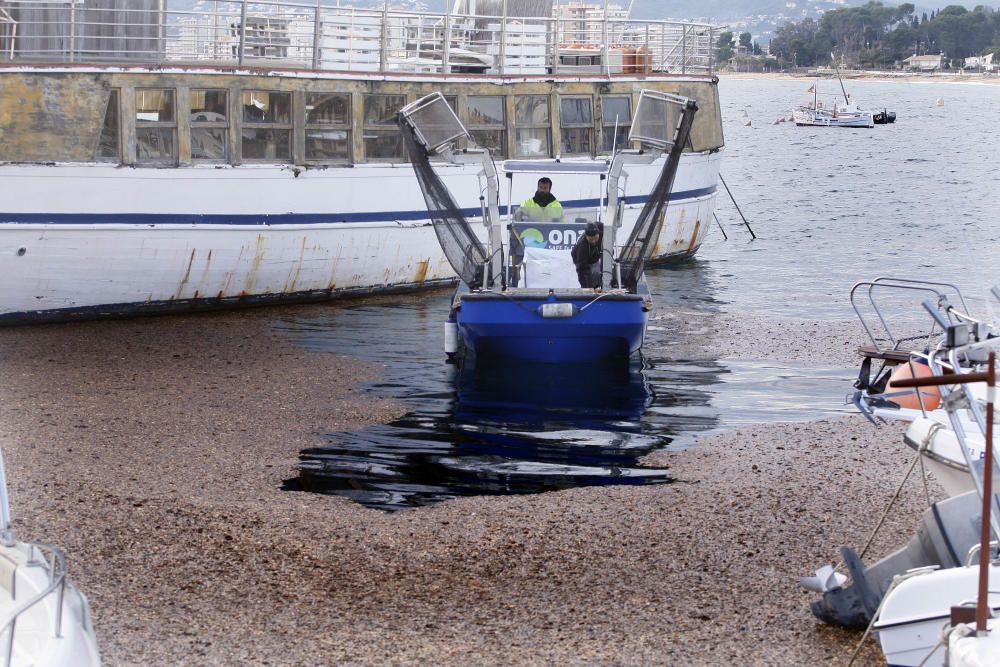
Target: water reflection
504,429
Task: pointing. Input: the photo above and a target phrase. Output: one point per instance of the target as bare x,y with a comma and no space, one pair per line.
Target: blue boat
519,295
552,326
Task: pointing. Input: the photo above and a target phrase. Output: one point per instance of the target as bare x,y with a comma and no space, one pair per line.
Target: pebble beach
153,450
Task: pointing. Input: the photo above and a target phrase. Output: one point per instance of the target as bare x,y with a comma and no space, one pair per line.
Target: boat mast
837,70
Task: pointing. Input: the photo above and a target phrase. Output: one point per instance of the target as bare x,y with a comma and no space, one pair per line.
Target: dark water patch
500,429
504,428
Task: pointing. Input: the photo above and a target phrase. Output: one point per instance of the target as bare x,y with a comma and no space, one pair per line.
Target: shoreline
854,75
152,451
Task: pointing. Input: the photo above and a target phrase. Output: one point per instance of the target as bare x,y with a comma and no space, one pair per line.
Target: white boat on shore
198,159
46,620
915,615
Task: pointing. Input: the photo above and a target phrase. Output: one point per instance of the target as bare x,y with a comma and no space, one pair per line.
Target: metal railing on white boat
45,556
318,36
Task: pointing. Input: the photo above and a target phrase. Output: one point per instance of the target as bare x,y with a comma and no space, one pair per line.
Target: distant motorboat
884,117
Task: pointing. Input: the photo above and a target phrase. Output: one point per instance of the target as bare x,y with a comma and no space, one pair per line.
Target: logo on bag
532,238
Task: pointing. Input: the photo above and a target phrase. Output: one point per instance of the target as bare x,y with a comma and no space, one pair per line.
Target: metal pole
711,53
446,56
72,35
982,612
503,39
383,54
241,49
737,206
684,44
604,39
555,43
317,33
647,53
161,42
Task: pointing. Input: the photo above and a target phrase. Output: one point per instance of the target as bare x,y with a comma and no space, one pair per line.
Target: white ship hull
821,118
83,240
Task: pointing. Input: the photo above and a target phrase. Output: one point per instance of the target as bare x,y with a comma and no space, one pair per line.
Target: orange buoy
930,395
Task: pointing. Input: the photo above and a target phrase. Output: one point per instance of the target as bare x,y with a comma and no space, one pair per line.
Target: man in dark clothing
587,256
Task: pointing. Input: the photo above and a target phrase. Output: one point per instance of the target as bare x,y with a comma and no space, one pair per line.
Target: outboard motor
949,529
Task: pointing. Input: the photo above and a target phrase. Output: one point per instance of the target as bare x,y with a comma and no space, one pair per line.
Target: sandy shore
152,451
944,77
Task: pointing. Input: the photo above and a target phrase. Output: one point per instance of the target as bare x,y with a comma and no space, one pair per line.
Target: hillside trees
877,35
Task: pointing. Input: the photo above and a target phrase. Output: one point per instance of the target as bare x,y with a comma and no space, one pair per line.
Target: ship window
267,125
328,117
576,120
156,127
487,123
616,119
209,125
381,135
108,147
531,123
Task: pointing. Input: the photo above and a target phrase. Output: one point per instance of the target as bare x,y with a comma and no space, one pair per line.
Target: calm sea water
830,207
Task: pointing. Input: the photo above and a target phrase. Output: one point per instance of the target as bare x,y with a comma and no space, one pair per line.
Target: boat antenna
837,70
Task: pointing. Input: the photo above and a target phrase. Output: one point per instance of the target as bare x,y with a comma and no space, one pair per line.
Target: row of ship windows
266,126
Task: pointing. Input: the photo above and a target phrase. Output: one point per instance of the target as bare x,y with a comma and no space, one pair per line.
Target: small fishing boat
46,619
834,114
831,113
516,298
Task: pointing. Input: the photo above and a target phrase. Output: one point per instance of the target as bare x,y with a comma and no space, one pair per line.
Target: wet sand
152,452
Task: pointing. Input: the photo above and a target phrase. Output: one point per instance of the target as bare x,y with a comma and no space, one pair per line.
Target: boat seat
891,356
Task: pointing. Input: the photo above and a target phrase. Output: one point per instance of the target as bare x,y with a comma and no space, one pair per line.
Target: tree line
878,36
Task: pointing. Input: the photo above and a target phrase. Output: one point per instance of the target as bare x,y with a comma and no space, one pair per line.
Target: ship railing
49,558
315,35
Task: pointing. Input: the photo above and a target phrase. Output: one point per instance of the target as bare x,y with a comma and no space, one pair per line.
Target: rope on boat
935,427
593,301
924,445
896,581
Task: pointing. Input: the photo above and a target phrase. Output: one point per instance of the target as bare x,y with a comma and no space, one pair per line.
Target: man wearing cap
543,206
587,256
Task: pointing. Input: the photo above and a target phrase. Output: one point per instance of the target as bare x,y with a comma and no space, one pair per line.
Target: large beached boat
178,155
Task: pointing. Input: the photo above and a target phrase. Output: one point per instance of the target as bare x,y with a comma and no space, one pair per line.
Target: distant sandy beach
992,79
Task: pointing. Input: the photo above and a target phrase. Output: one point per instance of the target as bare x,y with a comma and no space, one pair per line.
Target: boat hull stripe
284,218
